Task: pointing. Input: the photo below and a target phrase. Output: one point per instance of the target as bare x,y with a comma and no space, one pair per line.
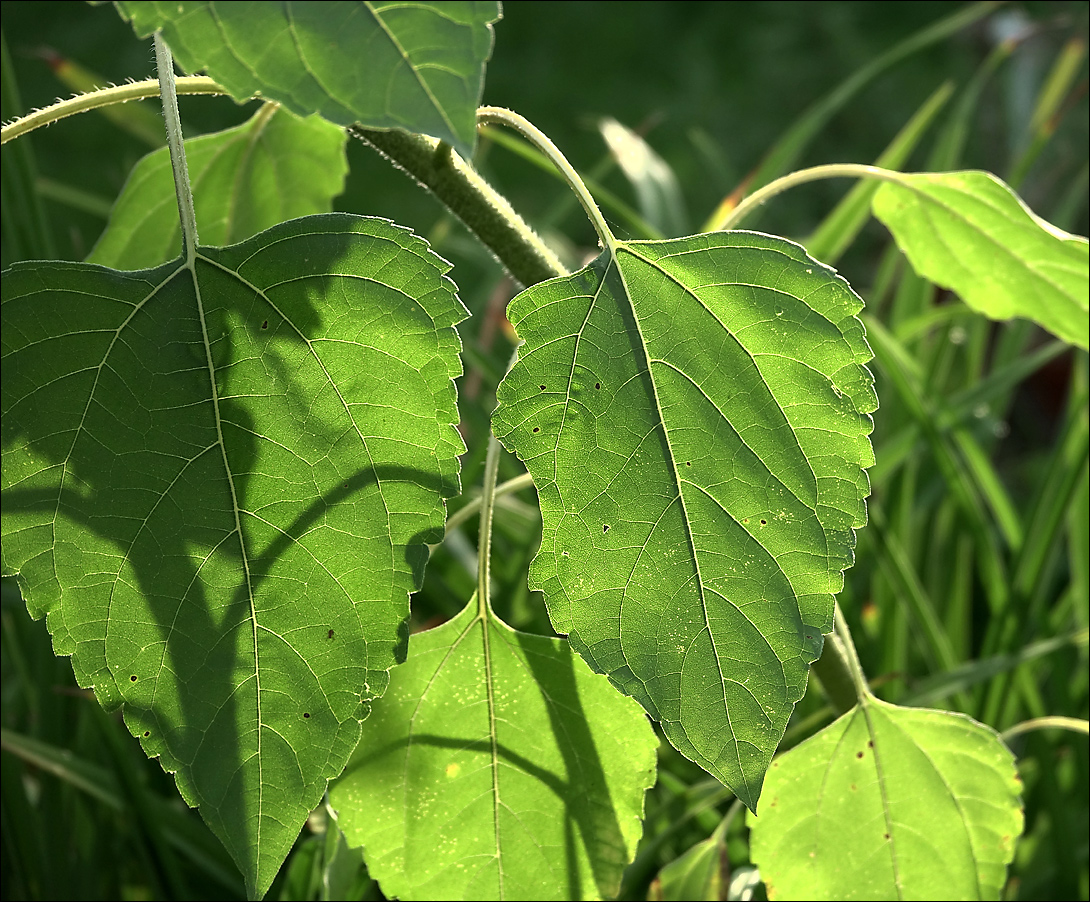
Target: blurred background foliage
978,440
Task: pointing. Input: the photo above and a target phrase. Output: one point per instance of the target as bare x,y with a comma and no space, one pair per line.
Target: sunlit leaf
218,483
890,803
245,180
497,766
416,66
695,414
969,232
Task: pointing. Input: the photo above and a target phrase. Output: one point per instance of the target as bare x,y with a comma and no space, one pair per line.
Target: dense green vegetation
221,471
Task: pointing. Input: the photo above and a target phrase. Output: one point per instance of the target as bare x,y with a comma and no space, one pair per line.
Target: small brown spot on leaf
265,325
305,714
133,678
537,429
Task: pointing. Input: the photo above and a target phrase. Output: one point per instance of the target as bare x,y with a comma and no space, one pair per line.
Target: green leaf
497,766
697,875
910,804
218,483
969,232
245,180
695,415
383,64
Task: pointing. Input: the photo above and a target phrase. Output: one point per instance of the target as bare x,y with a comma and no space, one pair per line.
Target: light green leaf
497,766
697,875
695,414
384,64
218,483
969,232
245,180
910,804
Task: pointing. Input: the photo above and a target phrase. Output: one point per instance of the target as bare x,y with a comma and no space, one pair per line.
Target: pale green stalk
137,90
814,174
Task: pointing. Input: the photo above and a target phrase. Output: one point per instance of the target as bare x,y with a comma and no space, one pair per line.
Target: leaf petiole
164,63
813,174
82,103
492,115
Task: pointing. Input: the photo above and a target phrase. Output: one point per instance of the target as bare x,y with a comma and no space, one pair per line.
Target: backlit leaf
969,232
497,766
384,64
695,414
910,804
218,483
245,179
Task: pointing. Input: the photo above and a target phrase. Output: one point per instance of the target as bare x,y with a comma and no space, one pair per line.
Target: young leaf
969,232
218,483
245,179
497,766
911,804
695,414
383,64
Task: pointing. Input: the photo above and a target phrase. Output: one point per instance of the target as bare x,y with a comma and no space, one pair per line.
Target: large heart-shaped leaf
695,414
245,179
497,766
218,483
969,232
384,64
890,803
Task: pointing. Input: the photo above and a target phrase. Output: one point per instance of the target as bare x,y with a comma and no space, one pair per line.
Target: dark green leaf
384,64
218,483
695,414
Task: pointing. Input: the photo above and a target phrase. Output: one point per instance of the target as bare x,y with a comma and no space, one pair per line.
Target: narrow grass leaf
218,484
497,766
245,180
910,804
695,415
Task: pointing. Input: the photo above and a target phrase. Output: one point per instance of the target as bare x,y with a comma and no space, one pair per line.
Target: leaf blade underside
418,67
911,803
497,766
695,415
245,179
218,488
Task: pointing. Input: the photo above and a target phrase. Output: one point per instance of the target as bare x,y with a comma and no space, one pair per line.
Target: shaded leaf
695,417
218,483
911,804
697,875
497,766
969,232
383,64
245,180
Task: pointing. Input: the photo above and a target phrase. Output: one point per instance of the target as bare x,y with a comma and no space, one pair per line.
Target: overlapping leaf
384,64
245,179
695,414
497,766
218,484
969,232
911,804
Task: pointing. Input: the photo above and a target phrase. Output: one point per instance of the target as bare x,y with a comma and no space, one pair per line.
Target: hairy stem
138,90
814,174
164,63
494,115
486,213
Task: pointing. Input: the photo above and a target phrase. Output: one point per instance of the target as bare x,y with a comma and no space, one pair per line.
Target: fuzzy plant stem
487,214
